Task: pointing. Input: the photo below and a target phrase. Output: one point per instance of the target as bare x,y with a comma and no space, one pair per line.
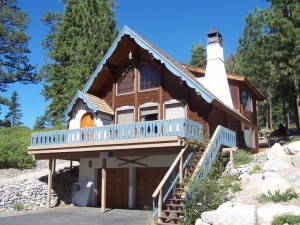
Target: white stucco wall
80,109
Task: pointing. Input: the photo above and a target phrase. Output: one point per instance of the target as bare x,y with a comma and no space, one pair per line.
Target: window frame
122,109
248,107
140,78
148,105
134,81
174,102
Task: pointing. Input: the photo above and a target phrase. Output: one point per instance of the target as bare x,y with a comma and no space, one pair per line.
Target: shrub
286,219
288,195
242,157
13,147
19,206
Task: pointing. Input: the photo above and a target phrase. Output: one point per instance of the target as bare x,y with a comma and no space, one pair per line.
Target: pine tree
14,114
39,123
76,44
14,62
198,55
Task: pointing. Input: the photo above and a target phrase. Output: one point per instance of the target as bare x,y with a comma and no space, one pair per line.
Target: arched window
149,78
87,120
125,83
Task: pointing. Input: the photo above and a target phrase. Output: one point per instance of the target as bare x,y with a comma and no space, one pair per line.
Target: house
132,125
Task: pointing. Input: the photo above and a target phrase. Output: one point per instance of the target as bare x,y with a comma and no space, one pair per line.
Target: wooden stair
172,211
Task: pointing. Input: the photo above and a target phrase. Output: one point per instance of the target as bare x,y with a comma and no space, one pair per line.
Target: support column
54,167
49,183
103,186
71,164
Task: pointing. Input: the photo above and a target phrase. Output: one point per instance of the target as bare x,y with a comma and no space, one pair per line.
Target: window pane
149,114
125,83
149,78
125,116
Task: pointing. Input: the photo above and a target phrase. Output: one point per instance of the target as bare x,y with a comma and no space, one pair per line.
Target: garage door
147,180
116,187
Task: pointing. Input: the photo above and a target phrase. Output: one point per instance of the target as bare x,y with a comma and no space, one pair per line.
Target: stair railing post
181,170
159,206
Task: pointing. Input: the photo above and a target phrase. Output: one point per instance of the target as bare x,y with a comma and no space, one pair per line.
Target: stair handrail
221,137
158,190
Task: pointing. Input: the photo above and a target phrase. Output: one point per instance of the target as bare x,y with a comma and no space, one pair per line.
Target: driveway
79,216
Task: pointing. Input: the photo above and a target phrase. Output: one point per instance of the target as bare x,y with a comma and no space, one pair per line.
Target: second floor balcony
150,134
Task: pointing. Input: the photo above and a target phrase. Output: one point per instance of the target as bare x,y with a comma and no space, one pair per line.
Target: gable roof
93,102
173,66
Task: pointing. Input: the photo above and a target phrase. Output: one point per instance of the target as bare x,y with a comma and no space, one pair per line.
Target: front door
87,121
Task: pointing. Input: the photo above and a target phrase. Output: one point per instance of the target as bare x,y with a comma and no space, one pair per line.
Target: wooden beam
133,161
103,186
49,183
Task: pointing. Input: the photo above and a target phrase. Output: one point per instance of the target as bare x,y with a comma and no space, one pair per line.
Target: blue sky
172,25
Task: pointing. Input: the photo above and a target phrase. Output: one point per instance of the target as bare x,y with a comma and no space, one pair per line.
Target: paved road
80,216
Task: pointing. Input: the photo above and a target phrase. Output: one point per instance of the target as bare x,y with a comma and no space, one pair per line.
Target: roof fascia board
79,95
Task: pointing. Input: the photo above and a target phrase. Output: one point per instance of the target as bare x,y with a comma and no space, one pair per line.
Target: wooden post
231,150
103,186
49,183
181,170
71,164
159,206
54,167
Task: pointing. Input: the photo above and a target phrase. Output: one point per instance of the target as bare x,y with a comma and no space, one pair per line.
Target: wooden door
87,121
147,180
117,182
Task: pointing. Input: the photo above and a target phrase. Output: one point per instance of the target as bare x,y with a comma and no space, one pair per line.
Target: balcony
150,134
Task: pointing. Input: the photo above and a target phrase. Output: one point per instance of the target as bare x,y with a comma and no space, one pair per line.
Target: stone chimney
215,79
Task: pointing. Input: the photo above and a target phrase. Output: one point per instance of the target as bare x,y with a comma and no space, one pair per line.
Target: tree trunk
297,89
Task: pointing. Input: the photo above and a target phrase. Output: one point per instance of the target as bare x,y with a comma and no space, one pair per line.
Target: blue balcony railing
159,128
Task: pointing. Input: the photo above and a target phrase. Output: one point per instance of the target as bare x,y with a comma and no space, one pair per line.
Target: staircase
169,196
173,209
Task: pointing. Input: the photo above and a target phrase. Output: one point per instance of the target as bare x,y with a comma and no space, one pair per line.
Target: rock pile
32,194
277,169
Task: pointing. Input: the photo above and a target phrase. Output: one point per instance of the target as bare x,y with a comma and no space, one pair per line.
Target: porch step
168,219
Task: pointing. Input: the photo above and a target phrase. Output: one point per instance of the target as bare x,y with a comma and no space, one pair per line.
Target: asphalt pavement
80,216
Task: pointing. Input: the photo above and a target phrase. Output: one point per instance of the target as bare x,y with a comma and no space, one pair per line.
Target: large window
149,78
125,83
247,101
174,111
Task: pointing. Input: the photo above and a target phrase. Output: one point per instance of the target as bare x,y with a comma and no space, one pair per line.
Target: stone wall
32,194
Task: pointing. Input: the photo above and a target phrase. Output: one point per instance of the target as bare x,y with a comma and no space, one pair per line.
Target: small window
149,78
125,116
247,101
125,83
149,113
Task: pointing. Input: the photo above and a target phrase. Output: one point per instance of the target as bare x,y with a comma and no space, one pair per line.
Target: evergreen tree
76,43
14,62
198,55
14,114
230,63
39,123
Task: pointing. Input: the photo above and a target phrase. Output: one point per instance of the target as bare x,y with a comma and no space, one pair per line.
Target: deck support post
103,186
181,170
54,167
49,183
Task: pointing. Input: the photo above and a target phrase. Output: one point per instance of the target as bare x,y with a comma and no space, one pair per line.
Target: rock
295,179
244,178
293,148
231,214
269,174
273,184
200,222
275,165
276,151
296,160
266,213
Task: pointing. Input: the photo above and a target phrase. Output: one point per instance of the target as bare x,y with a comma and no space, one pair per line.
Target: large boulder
296,160
276,151
200,222
266,213
231,214
292,148
295,179
276,165
272,184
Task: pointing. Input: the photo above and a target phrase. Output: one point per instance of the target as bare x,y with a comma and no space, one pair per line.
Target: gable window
149,78
247,101
125,83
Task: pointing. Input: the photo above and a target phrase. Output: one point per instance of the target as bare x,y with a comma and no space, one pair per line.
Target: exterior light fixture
90,163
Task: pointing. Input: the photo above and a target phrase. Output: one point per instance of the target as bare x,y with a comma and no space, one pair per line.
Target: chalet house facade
132,125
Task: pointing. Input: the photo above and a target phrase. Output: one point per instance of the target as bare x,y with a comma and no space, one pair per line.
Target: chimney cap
214,32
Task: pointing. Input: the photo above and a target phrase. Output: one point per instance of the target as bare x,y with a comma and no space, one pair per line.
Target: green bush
13,147
19,206
288,195
242,157
286,219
